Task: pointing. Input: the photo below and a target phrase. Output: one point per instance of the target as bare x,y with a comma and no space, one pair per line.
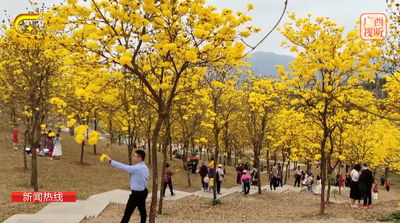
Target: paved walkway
75,212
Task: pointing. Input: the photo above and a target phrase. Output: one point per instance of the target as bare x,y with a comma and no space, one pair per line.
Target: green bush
393,217
215,202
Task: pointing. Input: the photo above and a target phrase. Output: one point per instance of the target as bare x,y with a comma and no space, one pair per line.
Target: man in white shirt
297,176
220,176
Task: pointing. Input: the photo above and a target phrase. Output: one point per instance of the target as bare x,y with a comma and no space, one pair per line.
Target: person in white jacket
305,179
220,177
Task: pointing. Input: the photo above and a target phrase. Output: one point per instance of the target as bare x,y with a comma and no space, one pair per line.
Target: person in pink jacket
246,182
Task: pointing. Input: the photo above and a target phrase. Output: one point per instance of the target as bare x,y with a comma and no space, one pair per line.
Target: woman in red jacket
15,137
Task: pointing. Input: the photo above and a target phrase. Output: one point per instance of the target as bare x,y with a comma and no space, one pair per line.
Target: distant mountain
264,63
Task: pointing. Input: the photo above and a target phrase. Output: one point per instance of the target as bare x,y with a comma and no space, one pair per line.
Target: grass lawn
86,180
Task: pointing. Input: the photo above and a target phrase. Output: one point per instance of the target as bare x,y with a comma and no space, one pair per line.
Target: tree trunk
323,174
82,150
185,162
153,205
130,150
386,173
216,134
24,153
130,143
34,142
340,188
170,146
229,158
149,147
328,192
95,129
257,161
236,155
166,141
268,168
34,175
283,161
374,174
287,172
71,131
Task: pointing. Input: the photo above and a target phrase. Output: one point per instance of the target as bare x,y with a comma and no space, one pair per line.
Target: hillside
264,63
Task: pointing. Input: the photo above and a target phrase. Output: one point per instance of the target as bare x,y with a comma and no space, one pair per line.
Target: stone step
48,218
115,196
224,192
122,196
90,208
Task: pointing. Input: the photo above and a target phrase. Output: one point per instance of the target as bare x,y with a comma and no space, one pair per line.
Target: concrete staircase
75,212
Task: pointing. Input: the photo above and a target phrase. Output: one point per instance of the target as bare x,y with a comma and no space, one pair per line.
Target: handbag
211,182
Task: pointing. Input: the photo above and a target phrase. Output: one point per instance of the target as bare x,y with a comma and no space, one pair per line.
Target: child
310,182
206,180
375,194
387,185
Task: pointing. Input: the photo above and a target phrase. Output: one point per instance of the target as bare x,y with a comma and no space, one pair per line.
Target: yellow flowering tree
189,112
26,78
260,101
222,96
328,63
159,42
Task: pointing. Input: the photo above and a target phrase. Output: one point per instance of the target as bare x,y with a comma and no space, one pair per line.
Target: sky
265,15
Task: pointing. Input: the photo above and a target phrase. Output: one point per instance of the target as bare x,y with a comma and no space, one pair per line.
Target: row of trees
171,71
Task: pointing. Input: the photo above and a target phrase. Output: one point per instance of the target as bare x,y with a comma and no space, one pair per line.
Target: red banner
43,197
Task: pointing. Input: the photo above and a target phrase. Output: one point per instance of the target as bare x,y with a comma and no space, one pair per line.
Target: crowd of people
50,144
207,172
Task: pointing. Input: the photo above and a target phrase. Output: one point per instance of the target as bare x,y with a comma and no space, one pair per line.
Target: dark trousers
274,182
297,181
219,186
387,188
169,184
368,196
136,199
202,181
279,181
246,188
238,180
194,168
